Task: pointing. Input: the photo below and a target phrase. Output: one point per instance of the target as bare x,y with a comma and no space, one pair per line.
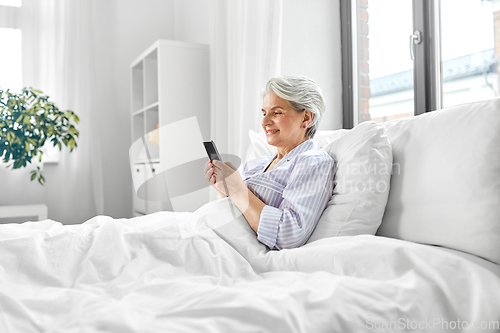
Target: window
469,59
11,37
10,59
454,56
13,3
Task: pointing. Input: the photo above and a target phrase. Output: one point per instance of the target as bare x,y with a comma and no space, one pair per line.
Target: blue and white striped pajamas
296,191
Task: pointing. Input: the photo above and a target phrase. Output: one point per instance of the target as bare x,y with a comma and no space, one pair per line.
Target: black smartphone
213,153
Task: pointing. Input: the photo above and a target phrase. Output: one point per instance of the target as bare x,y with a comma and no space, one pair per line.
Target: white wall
192,21
311,47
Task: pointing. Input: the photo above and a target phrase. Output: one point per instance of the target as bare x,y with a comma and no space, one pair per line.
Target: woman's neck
282,151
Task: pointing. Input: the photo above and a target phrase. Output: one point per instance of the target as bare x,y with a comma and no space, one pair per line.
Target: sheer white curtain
58,59
65,69
246,47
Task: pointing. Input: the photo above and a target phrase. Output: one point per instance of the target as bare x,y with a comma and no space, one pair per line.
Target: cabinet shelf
169,82
147,108
145,161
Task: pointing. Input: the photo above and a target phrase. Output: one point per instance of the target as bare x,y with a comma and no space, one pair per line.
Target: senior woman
282,196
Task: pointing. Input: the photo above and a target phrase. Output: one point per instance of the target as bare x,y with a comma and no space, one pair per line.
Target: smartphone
213,153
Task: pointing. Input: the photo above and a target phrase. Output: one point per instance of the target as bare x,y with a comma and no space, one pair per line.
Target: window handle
416,38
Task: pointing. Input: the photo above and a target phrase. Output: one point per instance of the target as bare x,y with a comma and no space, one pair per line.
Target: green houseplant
27,120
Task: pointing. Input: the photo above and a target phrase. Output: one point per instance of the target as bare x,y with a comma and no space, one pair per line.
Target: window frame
426,65
349,57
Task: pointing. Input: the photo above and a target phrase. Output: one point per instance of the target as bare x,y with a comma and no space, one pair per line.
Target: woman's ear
308,117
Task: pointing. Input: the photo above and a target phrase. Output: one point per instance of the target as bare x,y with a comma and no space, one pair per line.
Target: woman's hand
227,178
210,177
224,177
219,174
209,173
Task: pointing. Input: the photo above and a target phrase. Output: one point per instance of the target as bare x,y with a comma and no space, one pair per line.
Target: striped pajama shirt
296,191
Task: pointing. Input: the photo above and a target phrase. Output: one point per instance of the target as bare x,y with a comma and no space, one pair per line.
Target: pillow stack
363,158
445,187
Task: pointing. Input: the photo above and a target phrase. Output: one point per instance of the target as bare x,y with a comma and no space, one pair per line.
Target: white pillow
323,138
258,146
362,180
445,188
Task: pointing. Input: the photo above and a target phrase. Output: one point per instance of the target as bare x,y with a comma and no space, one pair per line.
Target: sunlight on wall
11,61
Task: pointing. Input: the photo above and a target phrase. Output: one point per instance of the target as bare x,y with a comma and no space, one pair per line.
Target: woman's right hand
210,177
209,173
227,178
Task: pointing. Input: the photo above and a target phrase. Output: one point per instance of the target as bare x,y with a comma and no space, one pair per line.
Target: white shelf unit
169,82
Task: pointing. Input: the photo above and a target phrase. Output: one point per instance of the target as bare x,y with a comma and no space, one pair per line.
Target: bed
397,261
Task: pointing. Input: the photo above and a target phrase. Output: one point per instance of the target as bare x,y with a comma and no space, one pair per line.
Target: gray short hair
302,93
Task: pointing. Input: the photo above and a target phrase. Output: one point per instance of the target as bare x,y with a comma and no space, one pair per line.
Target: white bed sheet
158,274
489,265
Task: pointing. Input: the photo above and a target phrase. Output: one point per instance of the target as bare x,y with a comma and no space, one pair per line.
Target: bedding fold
206,271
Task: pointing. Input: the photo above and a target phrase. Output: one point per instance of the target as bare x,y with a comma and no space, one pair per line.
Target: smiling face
282,124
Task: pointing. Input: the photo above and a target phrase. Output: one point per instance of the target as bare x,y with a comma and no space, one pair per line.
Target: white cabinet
138,178
169,90
155,189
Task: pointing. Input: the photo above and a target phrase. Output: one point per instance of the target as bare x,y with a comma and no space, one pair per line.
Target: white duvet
170,272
